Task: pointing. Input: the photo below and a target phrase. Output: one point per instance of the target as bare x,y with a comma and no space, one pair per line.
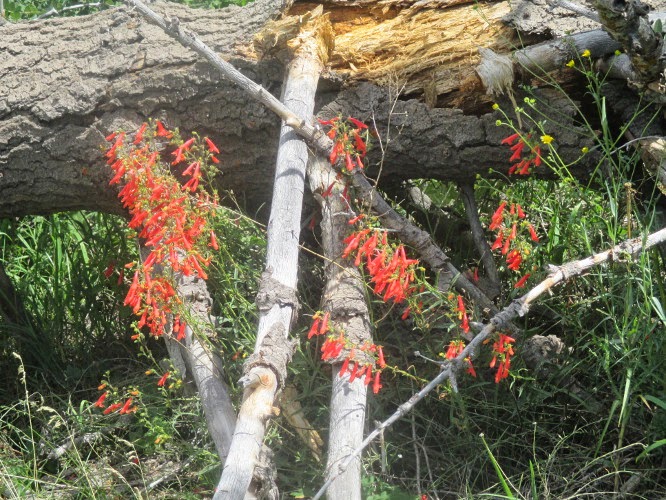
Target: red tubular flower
377,385
498,242
328,190
514,259
161,131
348,162
507,245
139,134
521,214
381,361
470,367
359,145
354,220
100,402
112,408
533,234
465,323
211,146
328,122
359,124
354,373
126,406
455,348
511,139
521,282
514,231
368,375
213,241
498,217
406,313
109,270
163,379
345,366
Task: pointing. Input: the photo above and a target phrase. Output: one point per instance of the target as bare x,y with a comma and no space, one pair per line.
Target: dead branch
627,22
472,211
518,307
276,300
196,363
344,298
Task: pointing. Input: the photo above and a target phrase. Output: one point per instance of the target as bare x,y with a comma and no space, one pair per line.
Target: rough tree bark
65,83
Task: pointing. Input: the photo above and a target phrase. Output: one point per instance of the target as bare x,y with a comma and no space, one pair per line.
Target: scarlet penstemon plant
171,218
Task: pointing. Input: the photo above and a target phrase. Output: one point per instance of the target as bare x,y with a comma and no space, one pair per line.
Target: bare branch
628,23
277,300
517,308
344,297
472,211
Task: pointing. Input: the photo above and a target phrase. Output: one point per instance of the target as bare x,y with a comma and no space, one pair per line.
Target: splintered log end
310,32
260,386
495,71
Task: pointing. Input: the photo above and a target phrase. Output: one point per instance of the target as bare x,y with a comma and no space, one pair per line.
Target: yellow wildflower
546,139
586,53
571,64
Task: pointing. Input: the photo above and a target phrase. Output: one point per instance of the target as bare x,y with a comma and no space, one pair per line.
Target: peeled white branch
266,369
344,298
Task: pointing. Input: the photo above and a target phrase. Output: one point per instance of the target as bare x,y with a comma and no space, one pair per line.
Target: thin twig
518,307
472,211
578,9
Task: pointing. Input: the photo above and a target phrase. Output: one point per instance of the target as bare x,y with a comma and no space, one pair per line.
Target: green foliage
16,10
28,9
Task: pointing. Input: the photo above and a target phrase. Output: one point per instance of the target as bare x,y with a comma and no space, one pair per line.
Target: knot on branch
273,293
274,353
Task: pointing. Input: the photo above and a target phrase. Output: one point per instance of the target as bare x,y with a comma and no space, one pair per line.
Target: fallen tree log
67,82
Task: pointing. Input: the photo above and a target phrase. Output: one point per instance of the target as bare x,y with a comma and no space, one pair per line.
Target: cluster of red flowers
519,144
514,249
455,348
462,314
502,351
125,407
335,343
171,218
392,273
350,141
